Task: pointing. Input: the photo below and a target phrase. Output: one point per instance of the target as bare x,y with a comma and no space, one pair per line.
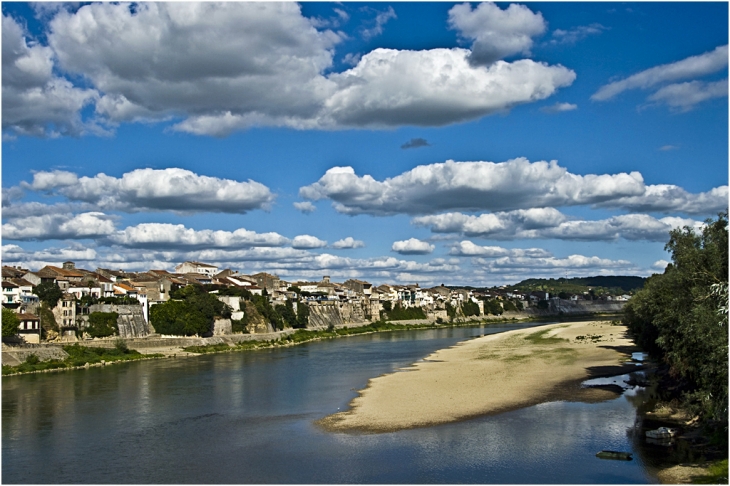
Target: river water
249,418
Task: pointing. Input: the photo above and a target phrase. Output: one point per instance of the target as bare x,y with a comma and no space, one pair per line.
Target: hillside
599,284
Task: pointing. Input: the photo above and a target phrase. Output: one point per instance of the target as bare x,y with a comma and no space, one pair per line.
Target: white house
197,267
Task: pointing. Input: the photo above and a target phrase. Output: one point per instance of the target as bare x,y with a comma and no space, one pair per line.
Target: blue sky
456,143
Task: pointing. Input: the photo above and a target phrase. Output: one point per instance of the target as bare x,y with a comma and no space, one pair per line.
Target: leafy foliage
302,315
509,306
399,313
49,293
470,308
194,314
450,311
179,318
102,324
679,318
286,312
11,323
264,307
493,307
602,285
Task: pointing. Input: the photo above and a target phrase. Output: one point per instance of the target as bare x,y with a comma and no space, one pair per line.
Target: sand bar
491,374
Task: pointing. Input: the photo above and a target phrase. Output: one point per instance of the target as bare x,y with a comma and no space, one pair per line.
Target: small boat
623,456
661,433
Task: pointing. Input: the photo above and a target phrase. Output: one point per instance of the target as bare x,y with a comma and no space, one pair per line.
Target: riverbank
14,358
492,374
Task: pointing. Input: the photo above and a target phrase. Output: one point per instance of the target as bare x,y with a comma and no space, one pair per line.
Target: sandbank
491,374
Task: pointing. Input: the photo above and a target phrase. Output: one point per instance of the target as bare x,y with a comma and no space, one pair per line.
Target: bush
399,313
179,318
493,307
11,323
102,324
509,306
121,346
470,308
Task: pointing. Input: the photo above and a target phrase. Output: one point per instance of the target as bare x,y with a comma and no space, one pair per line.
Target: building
197,267
30,328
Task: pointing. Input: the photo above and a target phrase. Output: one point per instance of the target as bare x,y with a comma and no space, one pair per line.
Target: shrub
11,323
102,324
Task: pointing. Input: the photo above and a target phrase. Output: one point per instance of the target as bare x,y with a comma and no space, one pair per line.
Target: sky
432,143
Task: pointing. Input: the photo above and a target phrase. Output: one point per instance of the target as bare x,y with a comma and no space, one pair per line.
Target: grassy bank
79,357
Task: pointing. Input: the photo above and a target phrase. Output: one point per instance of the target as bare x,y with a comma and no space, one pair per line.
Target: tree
179,318
11,323
509,306
287,314
470,308
493,307
48,293
302,315
680,318
102,324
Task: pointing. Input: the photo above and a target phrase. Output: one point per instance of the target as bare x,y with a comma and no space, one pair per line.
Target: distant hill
610,284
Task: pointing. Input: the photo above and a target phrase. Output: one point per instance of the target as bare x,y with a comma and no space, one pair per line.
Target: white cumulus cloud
59,226
305,207
177,236
470,186
670,198
496,33
222,67
467,248
307,242
157,190
347,243
549,223
34,100
412,246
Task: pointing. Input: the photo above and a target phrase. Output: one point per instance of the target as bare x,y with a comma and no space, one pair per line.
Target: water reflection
248,418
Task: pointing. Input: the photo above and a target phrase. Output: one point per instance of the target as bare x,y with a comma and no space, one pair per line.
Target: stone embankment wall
560,307
130,322
338,314
15,355
172,342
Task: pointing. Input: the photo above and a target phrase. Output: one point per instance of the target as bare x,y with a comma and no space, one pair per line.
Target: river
249,418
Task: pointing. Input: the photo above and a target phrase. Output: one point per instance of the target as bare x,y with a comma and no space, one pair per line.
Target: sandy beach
491,374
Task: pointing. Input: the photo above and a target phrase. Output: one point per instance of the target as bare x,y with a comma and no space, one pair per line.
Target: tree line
680,317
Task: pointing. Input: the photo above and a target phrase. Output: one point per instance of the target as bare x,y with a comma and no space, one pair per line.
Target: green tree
179,318
302,315
493,307
49,293
263,306
680,318
470,308
102,324
509,306
286,311
11,323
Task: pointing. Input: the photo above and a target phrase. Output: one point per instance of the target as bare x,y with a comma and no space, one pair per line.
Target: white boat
661,433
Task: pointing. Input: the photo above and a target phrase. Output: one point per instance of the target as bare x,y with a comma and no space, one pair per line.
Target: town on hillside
68,304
